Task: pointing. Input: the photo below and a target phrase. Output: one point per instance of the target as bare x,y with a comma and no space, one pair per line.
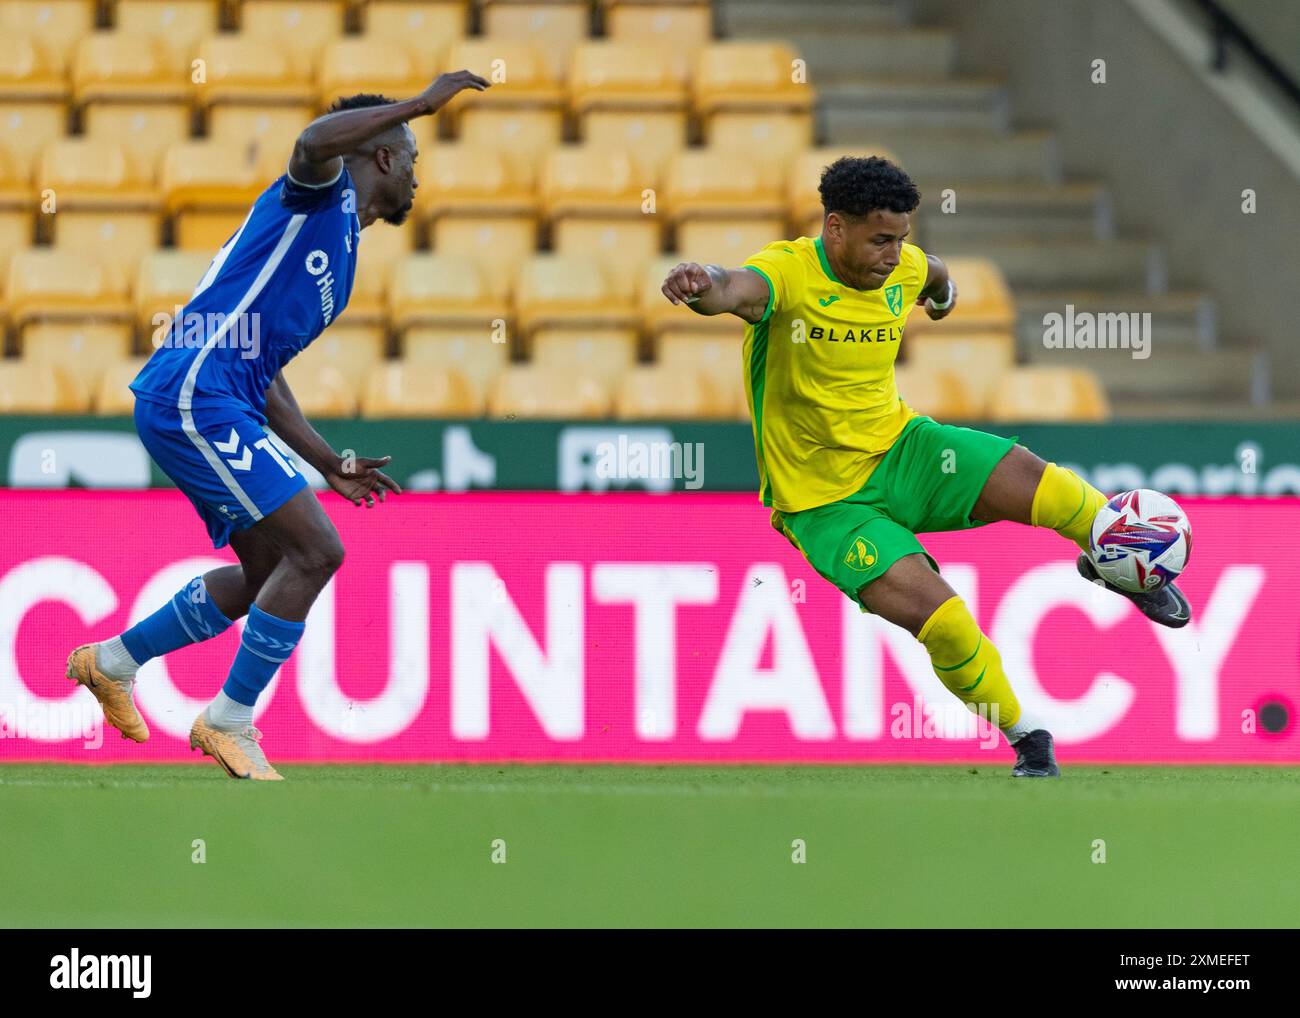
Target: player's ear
384,158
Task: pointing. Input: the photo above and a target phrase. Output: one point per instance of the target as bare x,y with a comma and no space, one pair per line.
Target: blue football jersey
272,289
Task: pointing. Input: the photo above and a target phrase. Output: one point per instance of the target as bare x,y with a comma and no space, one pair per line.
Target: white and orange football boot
236,750
114,695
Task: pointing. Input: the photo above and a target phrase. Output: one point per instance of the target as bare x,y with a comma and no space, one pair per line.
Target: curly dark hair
359,102
856,185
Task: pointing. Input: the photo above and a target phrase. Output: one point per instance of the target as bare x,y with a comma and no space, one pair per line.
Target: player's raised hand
686,282
447,85
359,480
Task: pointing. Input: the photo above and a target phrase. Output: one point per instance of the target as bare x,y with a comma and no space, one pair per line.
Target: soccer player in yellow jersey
851,472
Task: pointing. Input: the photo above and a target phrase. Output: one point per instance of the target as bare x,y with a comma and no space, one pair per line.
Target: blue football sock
189,617
266,645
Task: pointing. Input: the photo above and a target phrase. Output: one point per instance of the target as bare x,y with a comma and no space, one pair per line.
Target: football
1140,540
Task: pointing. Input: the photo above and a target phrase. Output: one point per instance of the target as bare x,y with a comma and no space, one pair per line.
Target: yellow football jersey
819,373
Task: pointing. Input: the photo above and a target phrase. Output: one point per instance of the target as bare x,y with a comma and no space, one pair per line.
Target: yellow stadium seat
936,392
980,358
774,139
623,246
94,173
38,388
114,397
59,24
726,242
351,348
397,389
661,393
164,281
178,25
118,239
208,188
804,179
382,246
144,130
425,28
715,357
320,388
712,184
16,234
570,291
749,76
659,317
683,26
525,136
302,28
529,391
118,67
266,134
476,354
520,73
604,354
650,139
50,283
441,289
984,301
237,69
467,180
30,70
357,64
1048,394
26,128
498,245
83,350
626,76
556,27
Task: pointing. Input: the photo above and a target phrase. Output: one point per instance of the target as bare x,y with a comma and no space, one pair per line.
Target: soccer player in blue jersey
205,397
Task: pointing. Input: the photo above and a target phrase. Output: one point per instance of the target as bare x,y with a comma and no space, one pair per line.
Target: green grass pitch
649,846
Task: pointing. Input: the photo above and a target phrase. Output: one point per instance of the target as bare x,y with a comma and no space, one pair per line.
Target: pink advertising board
653,628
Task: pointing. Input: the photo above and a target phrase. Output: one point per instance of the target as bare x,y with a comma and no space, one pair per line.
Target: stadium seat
16,233
472,352
521,113
468,180
604,354
773,139
28,387
627,76
804,177
177,25
570,291
144,130
265,134
984,301
382,246
749,76
726,242
164,281
26,128
703,183
556,26
249,71
499,245
525,136
119,67
530,391
980,358
594,200
425,28
114,397
936,393
357,64
208,188
443,290
715,357
302,28
1048,394
656,392
682,26
59,24
659,317
650,139
82,350
397,389
320,388
29,69
330,373
50,283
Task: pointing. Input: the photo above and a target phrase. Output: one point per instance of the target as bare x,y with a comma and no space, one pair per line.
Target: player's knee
321,559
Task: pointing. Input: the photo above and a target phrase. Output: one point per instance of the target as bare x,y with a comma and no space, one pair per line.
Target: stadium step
983,156
840,49
778,18
1184,320
1168,373
982,210
1030,264
864,104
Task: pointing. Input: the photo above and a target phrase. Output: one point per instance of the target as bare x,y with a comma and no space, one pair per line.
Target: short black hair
359,102
857,185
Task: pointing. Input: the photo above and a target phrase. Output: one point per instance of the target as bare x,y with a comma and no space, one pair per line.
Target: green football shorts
929,480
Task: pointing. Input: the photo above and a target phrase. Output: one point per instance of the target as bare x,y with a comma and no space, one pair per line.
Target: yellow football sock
1066,503
968,664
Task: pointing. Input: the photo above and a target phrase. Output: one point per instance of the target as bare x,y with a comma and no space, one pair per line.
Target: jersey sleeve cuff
771,293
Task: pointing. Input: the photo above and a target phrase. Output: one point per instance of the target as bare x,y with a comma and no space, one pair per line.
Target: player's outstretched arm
318,153
713,290
939,295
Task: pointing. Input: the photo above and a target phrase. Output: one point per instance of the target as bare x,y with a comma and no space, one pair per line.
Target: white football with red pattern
1140,540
